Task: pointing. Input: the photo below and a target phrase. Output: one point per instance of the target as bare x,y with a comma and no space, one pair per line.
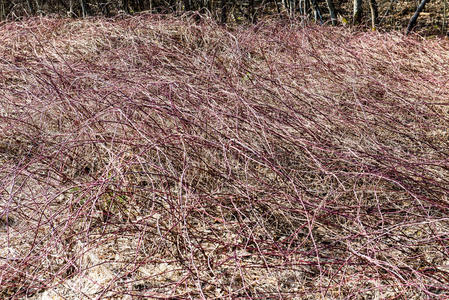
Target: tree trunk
443,27
85,8
252,11
70,11
2,10
316,11
104,6
357,14
278,7
5,9
292,8
304,7
413,20
374,14
38,7
31,7
224,11
331,7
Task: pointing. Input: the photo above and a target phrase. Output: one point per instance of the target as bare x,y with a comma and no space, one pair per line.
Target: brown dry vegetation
156,157
393,14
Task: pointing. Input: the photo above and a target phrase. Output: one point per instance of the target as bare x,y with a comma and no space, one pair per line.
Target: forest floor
158,157
394,15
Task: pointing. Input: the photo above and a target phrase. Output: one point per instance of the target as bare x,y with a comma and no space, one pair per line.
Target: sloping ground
158,157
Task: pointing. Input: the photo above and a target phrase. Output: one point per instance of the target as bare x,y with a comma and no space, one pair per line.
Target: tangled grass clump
153,156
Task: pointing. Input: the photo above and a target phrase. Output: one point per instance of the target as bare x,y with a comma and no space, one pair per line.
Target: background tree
333,16
31,7
374,13
415,17
242,10
357,12
85,8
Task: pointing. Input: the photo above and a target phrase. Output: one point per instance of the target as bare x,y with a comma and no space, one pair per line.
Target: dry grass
157,157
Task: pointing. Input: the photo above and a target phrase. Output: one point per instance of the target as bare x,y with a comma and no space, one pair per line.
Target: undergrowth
159,157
